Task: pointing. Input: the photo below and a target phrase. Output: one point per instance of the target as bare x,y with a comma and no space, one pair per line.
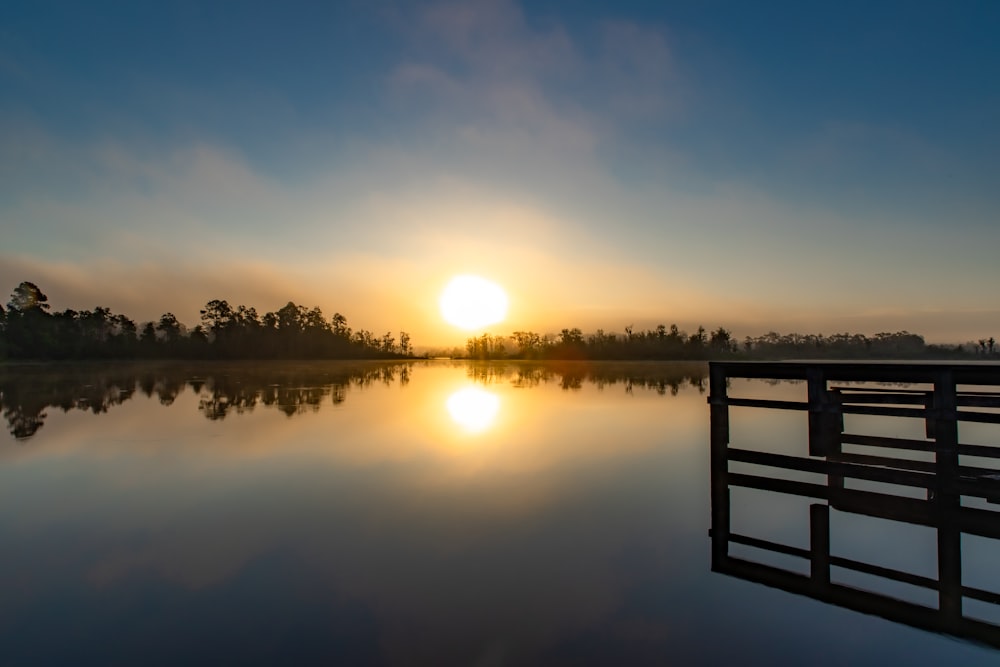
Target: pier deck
943,396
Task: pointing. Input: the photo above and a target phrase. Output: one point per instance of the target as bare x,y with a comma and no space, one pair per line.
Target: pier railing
943,395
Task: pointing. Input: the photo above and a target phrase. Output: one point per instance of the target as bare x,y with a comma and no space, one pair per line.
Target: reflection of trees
487,373
166,387
22,424
531,377
217,402
291,388
26,392
661,377
222,389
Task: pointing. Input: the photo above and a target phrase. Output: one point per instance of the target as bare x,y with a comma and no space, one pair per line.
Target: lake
436,512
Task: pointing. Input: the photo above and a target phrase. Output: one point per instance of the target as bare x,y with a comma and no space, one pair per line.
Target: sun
471,302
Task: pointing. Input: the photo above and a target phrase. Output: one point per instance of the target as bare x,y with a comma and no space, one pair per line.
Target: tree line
671,343
28,330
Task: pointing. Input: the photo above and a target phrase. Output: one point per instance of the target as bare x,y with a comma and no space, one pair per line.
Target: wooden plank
915,413
981,595
981,417
884,572
938,415
978,400
984,451
767,403
787,486
883,399
824,467
886,390
886,442
768,545
975,521
984,475
966,473
887,462
974,487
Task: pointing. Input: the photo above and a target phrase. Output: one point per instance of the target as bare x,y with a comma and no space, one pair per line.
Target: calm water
427,513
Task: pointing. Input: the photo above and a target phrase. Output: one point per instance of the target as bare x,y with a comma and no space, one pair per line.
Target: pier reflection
934,490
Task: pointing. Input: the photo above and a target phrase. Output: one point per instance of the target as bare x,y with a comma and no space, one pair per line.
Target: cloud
493,37
638,67
500,82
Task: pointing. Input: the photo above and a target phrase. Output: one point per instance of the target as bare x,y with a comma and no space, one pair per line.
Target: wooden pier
943,396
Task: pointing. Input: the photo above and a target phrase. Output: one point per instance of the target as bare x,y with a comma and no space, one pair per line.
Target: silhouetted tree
168,328
720,341
147,340
29,332
27,297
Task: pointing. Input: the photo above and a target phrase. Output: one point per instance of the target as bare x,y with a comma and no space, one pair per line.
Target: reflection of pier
941,395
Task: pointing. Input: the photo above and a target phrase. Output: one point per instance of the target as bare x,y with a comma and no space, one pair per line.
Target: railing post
929,422
834,428
719,406
819,545
825,423
949,549
944,416
945,429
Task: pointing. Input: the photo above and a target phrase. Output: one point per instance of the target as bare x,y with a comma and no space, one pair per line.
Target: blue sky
781,165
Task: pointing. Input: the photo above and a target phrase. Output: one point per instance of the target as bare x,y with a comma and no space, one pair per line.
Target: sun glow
471,302
473,409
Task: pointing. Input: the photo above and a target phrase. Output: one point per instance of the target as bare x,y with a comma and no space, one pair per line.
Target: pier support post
719,406
949,549
825,422
819,545
944,426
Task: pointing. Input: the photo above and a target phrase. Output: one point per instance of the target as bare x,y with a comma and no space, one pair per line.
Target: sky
785,166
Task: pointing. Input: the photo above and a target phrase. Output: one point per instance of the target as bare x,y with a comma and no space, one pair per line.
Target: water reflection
226,389
663,378
326,514
222,389
473,409
356,530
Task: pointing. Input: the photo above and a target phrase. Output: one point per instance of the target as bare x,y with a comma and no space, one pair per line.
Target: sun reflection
473,408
